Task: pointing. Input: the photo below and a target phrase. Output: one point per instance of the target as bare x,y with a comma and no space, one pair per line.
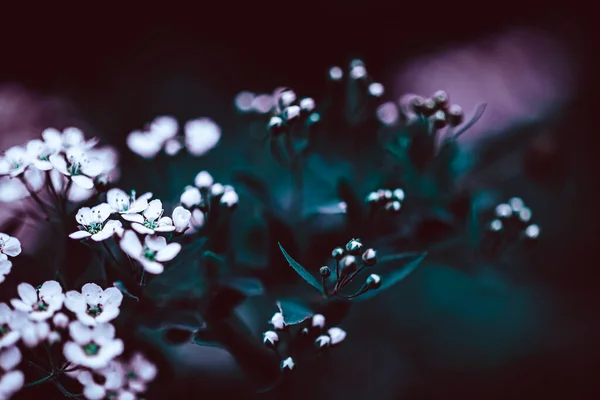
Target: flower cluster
350,261
386,199
248,102
9,247
199,136
64,158
289,111
47,317
205,195
437,108
307,336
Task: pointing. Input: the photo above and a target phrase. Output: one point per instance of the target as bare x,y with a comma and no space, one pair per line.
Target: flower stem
44,379
35,196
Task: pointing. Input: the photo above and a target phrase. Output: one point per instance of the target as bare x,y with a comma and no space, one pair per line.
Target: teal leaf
390,279
293,311
307,276
248,286
277,153
121,286
214,256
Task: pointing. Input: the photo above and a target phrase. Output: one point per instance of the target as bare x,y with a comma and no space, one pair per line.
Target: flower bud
270,338
387,194
217,189
496,225
318,321
203,180
307,104
358,70
286,98
393,206
348,264
417,105
60,320
287,364
399,194
516,203
54,337
304,331
373,197
325,272
337,335
374,281
455,115
291,113
276,126
277,321
369,257
376,89
323,341
532,231
525,214
441,99
354,246
230,199
428,107
439,119
181,219
338,253
503,210
336,73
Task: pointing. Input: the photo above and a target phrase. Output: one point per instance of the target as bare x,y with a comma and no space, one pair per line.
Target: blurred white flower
110,384
181,219
39,154
40,304
151,219
109,158
77,165
149,143
5,268
140,371
337,335
14,161
93,305
124,203
201,135
173,147
60,320
13,189
318,321
9,326
243,101
93,347
154,251
230,198
191,197
33,332
203,180
164,127
11,380
94,223
9,246
70,137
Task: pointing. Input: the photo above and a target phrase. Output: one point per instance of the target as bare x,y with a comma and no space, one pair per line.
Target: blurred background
493,332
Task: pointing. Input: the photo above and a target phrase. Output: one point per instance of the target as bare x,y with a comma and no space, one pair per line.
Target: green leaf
248,286
293,311
121,286
392,278
214,256
307,276
277,153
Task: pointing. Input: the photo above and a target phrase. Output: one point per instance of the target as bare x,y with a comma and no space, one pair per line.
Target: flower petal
27,293
91,292
80,235
168,253
92,168
154,210
130,244
141,229
133,218
152,267
59,163
83,181
155,242
50,289
108,314
80,333
12,247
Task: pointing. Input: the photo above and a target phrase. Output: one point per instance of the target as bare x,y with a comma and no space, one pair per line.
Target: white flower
181,219
109,158
9,246
69,138
322,341
288,363
5,267
277,320
164,127
201,135
112,381
33,332
318,320
191,197
270,337
11,380
154,251
217,189
14,161
41,303
124,203
92,347
198,218
151,220
337,335
230,198
54,337
94,305
79,166
203,180
94,223
173,146
144,144
140,372
39,154
10,322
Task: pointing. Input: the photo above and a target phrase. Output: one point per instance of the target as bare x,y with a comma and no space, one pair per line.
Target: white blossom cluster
80,323
386,199
73,165
249,102
199,136
127,216
197,200
9,247
289,110
315,330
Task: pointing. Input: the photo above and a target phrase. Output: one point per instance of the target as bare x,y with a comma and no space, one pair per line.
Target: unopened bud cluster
438,109
290,110
350,260
386,199
302,340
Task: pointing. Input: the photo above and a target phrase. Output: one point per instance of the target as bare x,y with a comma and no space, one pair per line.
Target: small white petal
168,253
133,218
83,181
154,210
152,267
203,179
130,244
27,293
337,335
